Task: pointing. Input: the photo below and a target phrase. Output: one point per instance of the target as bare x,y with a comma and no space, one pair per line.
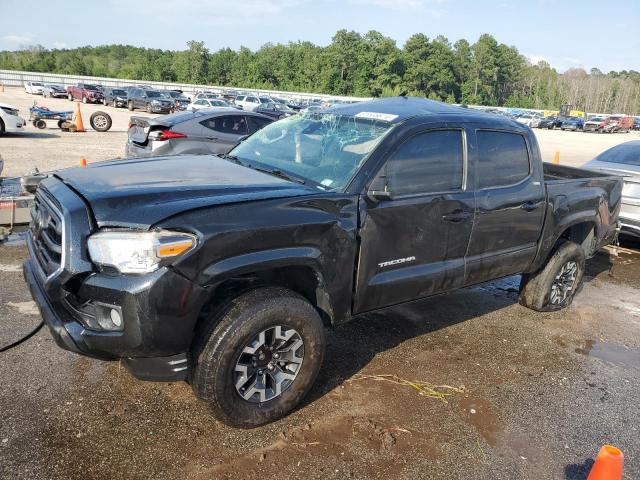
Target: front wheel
84,99
259,357
70,97
130,105
148,107
554,286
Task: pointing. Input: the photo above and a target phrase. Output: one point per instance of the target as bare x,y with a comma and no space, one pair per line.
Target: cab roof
398,109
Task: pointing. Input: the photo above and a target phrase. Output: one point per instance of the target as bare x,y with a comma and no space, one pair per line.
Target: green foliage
370,65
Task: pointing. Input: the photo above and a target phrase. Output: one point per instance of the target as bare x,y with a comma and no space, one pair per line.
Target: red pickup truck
85,92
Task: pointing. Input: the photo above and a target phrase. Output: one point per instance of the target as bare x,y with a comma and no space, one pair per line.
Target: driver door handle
530,206
457,216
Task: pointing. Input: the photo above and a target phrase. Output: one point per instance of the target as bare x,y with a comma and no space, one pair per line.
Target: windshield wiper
279,173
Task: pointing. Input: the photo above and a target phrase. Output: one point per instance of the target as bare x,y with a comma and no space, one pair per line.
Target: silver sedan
624,160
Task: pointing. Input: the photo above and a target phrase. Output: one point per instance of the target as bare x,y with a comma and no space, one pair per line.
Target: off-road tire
535,288
213,361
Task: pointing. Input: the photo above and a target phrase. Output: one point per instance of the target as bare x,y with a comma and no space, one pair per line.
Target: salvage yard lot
531,395
51,148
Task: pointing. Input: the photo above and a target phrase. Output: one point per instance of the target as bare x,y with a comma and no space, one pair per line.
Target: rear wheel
259,357
554,286
41,124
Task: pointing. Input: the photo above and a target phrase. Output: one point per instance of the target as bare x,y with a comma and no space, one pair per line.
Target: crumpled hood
139,193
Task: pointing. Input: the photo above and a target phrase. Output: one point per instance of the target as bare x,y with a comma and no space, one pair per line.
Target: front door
413,244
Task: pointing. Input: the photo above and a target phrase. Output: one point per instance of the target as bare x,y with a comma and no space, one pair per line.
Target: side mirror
378,189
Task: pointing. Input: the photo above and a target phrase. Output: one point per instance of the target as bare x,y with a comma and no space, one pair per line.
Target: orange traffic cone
83,162
556,158
78,119
608,464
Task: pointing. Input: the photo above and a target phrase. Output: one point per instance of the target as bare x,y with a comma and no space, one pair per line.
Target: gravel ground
538,394
56,149
535,395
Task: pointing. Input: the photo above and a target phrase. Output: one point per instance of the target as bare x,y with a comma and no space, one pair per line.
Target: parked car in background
572,123
180,101
85,92
618,123
205,131
528,119
153,101
624,160
52,90
34,88
208,103
550,122
275,110
636,123
205,96
251,102
10,119
311,108
116,97
594,124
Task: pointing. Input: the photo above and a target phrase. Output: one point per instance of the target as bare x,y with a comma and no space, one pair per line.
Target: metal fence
14,78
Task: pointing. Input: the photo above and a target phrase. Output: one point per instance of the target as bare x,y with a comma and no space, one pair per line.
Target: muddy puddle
611,353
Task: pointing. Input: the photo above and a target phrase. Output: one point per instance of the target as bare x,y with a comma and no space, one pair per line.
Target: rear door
509,205
224,132
413,244
256,123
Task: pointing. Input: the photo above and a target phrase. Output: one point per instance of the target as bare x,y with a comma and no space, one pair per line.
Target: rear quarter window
503,159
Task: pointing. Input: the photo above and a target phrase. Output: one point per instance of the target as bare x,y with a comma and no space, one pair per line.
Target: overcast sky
566,33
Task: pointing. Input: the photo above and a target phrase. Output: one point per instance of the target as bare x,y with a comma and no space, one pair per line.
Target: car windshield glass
265,100
152,94
119,92
325,148
624,154
91,87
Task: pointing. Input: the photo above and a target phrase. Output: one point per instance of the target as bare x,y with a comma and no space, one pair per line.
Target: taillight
131,125
168,135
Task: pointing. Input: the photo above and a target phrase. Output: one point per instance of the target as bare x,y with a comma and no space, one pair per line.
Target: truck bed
560,173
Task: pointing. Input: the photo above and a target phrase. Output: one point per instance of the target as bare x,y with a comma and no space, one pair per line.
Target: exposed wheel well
300,279
582,234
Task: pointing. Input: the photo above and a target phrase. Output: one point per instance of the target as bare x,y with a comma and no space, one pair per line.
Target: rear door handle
530,206
457,216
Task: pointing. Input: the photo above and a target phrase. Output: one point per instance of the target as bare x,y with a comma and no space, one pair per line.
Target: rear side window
232,124
430,162
256,123
503,159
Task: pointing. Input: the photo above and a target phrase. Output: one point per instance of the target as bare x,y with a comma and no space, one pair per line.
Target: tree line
371,65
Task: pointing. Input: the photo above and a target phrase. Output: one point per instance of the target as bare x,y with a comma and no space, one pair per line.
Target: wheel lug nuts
276,355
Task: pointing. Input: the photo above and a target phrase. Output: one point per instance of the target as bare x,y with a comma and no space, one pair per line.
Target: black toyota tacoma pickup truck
225,270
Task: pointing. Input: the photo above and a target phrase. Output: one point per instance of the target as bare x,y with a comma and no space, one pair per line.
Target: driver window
429,162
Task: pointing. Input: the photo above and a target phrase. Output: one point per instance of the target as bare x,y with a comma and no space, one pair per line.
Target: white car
10,120
207,103
251,102
531,120
34,88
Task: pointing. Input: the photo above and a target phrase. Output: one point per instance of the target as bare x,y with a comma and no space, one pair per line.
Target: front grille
47,233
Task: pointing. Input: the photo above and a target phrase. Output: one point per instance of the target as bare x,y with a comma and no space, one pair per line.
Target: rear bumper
150,150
